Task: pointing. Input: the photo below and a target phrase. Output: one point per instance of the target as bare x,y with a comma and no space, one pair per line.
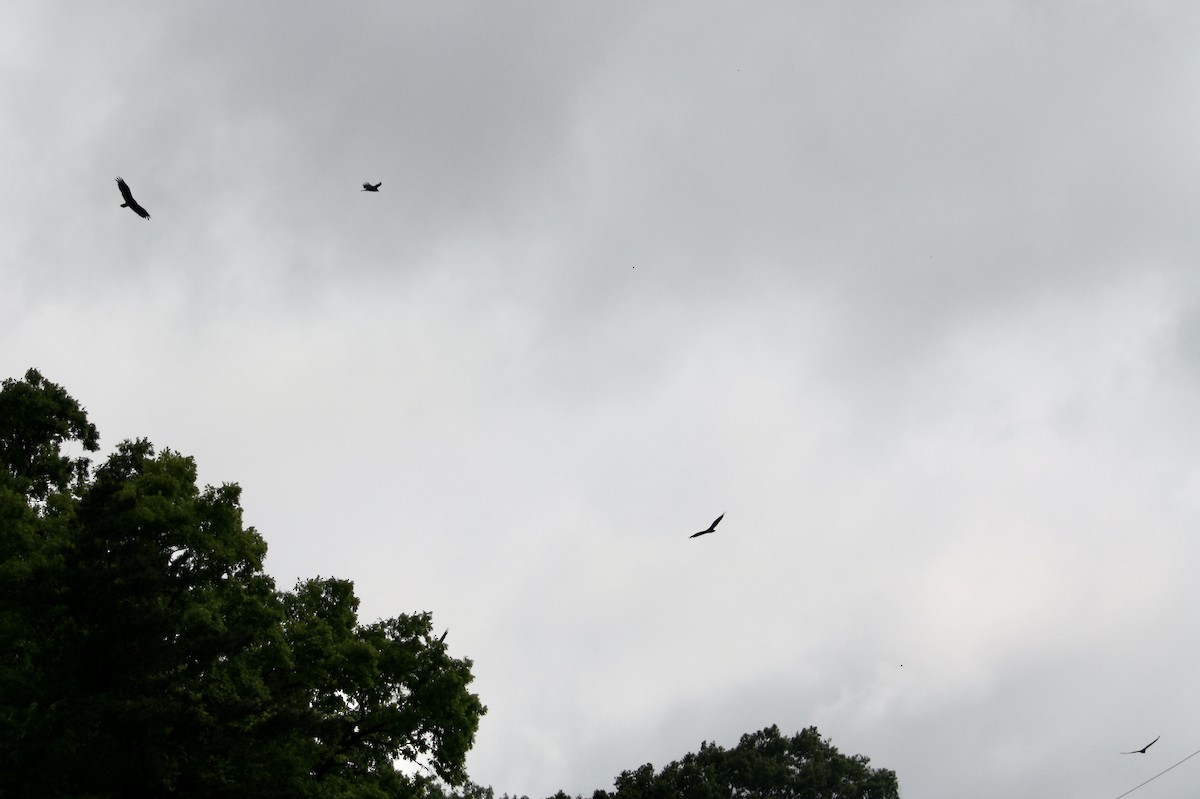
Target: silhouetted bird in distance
369,187
712,528
1141,751
131,203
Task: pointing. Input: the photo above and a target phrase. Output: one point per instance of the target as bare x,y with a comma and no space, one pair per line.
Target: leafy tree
764,765
143,651
37,417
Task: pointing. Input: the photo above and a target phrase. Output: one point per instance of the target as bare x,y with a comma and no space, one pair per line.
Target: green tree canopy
36,418
144,652
764,765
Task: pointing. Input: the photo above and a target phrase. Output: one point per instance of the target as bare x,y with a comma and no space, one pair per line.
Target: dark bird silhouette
369,187
131,203
712,528
1141,751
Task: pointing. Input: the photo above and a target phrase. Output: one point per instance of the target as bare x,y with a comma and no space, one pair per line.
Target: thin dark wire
1159,774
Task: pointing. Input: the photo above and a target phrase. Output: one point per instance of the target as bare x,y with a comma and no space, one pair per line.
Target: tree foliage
144,652
764,765
37,418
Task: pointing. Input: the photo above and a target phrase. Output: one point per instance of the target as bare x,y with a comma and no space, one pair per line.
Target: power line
1159,774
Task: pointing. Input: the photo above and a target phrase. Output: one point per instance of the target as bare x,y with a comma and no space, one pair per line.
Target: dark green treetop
764,765
144,652
36,418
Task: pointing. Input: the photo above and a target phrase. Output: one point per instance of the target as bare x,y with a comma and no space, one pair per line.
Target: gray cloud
907,291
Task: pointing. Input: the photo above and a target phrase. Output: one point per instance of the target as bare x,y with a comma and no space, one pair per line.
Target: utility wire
1159,774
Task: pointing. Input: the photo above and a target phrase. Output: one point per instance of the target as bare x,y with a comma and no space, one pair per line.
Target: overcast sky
910,291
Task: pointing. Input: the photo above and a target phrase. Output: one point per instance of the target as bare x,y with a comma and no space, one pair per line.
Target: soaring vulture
131,203
712,528
369,187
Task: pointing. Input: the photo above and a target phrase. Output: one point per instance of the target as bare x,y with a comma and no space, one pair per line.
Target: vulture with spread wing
712,528
369,187
131,203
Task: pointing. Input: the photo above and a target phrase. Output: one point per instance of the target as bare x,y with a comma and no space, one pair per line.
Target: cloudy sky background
908,290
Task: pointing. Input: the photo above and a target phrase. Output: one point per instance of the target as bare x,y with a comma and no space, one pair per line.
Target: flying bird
131,203
369,187
1141,751
712,528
